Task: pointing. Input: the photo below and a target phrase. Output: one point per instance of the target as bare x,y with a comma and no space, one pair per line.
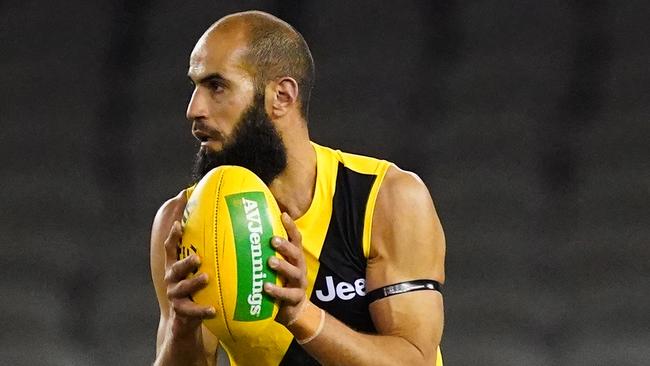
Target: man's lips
200,135
206,139
207,142
203,137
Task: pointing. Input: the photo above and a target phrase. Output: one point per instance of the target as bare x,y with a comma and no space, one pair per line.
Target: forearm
338,344
176,351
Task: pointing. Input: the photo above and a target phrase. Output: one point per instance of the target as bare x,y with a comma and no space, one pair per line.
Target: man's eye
216,86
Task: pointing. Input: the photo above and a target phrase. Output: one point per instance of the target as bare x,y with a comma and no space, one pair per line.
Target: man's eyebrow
211,78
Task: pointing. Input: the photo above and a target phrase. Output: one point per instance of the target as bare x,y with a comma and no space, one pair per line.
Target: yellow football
229,220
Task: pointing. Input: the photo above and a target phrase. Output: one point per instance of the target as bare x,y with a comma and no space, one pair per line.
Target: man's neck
294,188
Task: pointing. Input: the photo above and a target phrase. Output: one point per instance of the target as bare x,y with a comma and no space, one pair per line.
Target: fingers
290,273
292,230
171,243
181,269
288,295
179,291
179,287
186,308
186,288
289,250
292,268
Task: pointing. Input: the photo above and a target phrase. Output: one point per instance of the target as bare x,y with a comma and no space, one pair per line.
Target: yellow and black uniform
336,241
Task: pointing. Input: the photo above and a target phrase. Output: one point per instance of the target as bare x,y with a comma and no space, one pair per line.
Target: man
356,225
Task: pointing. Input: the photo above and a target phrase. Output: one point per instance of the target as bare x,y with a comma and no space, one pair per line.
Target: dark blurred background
528,120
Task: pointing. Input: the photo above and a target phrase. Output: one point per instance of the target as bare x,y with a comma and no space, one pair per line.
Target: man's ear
284,96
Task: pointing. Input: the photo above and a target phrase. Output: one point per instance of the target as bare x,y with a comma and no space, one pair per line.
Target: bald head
274,49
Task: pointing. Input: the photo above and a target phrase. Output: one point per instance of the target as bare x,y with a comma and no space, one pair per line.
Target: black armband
403,287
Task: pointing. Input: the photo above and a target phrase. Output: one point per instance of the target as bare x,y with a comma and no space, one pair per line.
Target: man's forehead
198,58
217,52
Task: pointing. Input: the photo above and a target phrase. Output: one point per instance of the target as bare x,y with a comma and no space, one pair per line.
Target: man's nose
197,107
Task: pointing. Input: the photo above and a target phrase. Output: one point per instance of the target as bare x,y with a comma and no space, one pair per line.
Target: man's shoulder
403,189
174,203
406,227
170,210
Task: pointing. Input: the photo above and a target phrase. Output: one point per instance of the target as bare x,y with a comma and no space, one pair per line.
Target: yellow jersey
336,242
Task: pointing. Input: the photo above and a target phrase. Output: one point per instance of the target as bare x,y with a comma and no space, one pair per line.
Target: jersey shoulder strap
368,166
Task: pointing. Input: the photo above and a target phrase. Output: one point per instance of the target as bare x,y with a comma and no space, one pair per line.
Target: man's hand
185,314
180,340
292,269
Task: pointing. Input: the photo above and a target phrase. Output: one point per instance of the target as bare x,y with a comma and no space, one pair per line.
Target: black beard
255,144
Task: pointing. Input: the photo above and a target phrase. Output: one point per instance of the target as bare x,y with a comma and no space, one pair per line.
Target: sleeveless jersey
336,242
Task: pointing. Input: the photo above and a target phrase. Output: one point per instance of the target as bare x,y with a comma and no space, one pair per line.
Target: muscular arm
174,346
407,244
